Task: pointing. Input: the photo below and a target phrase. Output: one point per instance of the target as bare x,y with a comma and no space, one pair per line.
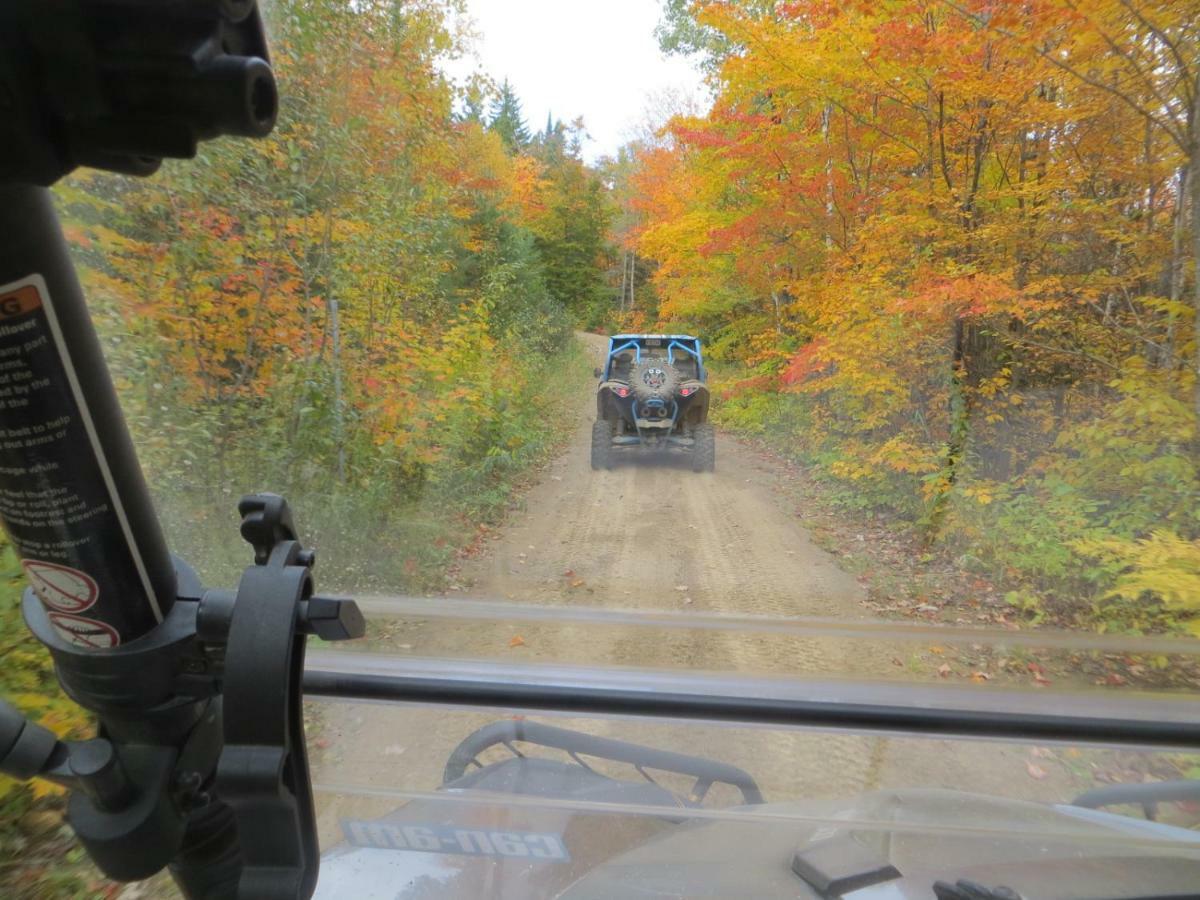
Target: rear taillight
621,391
688,390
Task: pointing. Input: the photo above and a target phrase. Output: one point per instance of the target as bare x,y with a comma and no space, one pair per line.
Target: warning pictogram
84,632
61,588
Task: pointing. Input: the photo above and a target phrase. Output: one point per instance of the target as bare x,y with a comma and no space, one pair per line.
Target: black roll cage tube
199,763
861,707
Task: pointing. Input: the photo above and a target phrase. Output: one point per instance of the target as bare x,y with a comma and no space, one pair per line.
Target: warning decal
84,632
58,499
61,588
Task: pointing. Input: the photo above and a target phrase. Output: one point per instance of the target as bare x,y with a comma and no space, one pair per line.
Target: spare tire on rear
654,378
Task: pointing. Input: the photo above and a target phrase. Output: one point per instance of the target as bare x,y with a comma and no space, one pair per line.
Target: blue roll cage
636,342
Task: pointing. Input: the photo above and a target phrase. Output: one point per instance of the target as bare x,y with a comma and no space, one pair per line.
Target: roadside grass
955,572
367,539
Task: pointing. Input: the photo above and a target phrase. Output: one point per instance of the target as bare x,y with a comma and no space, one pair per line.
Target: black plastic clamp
263,770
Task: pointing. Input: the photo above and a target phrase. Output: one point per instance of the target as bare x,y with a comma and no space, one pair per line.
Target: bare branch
1129,60
874,125
1082,354
1180,59
1179,137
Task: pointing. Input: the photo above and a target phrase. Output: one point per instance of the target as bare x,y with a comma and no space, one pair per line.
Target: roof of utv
665,337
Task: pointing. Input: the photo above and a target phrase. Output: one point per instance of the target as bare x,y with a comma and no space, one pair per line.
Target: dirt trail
651,534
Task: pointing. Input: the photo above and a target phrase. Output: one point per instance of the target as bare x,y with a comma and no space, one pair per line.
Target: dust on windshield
858,340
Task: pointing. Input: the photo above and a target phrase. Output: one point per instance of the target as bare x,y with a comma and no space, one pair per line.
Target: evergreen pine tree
507,120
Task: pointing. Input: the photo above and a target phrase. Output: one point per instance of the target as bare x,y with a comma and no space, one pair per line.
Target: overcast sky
571,58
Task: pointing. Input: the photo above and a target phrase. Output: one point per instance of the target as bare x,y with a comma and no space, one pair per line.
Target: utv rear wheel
704,450
602,435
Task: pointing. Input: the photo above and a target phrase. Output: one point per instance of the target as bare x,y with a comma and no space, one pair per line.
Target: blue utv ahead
653,393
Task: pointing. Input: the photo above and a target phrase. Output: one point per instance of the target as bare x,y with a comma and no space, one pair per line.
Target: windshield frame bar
922,710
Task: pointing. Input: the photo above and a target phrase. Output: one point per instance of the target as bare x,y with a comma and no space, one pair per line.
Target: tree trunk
826,116
339,433
624,278
1195,192
1194,179
632,277
1178,227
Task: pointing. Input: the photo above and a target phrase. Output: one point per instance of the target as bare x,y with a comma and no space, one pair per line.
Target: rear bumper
644,416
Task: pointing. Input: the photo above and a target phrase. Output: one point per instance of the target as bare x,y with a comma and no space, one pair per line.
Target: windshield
755,349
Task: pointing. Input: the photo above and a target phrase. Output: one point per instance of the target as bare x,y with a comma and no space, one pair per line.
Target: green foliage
1030,533
1159,569
679,32
507,120
1136,460
525,314
757,413
572,237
